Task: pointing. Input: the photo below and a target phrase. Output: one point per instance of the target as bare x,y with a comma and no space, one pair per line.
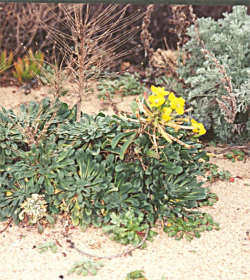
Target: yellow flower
198,127
156,101
166,114
177,103
159,91
8,193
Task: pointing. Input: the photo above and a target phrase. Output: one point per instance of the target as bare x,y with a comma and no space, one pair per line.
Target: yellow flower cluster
159,98
166,103
172,103
198,127
177,103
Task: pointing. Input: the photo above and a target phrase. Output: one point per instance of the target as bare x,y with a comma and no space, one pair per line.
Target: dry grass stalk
56,78
166,59
230,108
91,47
159,59
182,19
147,40
145,35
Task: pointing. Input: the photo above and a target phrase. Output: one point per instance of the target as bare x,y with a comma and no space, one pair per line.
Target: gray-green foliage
137,274
228,39
128,228
127,84
46,246
85,266
190,227
29,155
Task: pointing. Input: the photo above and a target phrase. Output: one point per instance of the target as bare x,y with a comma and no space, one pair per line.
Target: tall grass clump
91,47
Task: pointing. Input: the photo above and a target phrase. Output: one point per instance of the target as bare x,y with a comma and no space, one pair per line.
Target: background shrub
229,41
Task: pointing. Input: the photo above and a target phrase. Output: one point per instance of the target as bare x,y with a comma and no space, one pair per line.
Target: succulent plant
128,227
85,266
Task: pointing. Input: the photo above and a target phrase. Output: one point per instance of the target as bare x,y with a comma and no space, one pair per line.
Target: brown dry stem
91,47
72,245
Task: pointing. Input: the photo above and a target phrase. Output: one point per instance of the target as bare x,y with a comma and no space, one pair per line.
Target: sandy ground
12,97
223,254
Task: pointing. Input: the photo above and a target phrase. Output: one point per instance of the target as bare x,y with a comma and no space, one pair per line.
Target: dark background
18,24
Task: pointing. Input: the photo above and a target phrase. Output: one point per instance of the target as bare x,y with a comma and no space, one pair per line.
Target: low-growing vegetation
126,172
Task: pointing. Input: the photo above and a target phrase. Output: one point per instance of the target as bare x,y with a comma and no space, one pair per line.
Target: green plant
127,84
128,228
218,88
46,246
189,227
26,165
210,200
5,61
215,174
28,66
102,166
235,155
35,209
137,274
85,266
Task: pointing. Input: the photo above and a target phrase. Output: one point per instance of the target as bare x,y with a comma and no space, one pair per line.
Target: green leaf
85,272
40,229
72,270
200,155
229,155
153,154
131,235
134,107
108,228
122,167
137,240
49,187
93,271
126,145
79,271
50,219
2,157
118,137
176,170
83,226
75,220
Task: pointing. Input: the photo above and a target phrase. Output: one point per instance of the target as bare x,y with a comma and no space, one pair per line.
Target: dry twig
7,225
72,245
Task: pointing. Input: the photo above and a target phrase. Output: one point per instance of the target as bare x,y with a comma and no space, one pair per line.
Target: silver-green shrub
228,39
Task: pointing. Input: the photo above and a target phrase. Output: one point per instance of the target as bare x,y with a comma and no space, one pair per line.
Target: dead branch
7,225
72,245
